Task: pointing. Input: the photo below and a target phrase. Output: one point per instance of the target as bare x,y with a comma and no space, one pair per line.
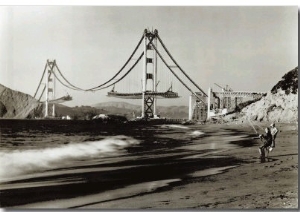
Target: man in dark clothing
267,142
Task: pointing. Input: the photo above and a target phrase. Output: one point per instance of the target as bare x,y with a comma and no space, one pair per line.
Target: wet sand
252,185
223,174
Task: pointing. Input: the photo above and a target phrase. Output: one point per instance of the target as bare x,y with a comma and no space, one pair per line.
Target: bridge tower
50,86
149,79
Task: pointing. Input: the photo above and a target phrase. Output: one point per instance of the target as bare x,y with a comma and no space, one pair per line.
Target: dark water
70,164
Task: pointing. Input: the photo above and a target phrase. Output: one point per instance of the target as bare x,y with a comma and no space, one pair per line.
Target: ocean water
16,163
80,164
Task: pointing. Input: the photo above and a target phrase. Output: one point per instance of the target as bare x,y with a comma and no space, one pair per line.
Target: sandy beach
211,166
252,185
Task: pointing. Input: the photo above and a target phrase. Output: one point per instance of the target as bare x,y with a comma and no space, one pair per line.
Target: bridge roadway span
239,94
160,95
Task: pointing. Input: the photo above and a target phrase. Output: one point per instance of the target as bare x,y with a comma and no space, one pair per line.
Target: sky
246,47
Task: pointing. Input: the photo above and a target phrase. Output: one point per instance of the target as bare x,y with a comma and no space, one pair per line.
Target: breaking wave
174,126
196,133
20,162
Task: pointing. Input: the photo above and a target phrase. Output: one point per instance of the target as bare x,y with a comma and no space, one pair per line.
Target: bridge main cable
163,45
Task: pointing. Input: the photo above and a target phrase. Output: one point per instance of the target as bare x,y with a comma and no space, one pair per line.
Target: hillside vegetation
279,105
288,84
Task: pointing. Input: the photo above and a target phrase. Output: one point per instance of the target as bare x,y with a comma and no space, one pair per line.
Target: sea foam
20,162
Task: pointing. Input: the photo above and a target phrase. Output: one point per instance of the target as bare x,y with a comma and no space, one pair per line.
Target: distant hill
128,110
123,105
15,104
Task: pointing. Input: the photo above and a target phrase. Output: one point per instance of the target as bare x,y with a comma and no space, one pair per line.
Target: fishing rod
259,127
254,129
252,126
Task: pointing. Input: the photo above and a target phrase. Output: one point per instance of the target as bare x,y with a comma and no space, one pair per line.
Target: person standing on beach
267,143
274,132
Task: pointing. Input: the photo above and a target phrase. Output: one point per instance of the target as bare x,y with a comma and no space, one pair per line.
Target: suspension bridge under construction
150,73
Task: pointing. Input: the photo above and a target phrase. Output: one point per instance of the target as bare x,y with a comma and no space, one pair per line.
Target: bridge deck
159,95
239,94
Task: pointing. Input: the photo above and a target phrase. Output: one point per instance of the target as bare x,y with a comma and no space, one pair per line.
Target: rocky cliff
15,104
279,105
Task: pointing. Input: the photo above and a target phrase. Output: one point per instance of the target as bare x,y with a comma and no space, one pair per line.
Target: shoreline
232,178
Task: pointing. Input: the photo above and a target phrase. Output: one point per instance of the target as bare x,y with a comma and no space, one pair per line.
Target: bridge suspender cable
70,84
175,74
123,75
136,62
73,88
178,65
121,68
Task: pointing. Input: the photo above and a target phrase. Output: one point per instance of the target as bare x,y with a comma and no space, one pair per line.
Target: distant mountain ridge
124,105
129,110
